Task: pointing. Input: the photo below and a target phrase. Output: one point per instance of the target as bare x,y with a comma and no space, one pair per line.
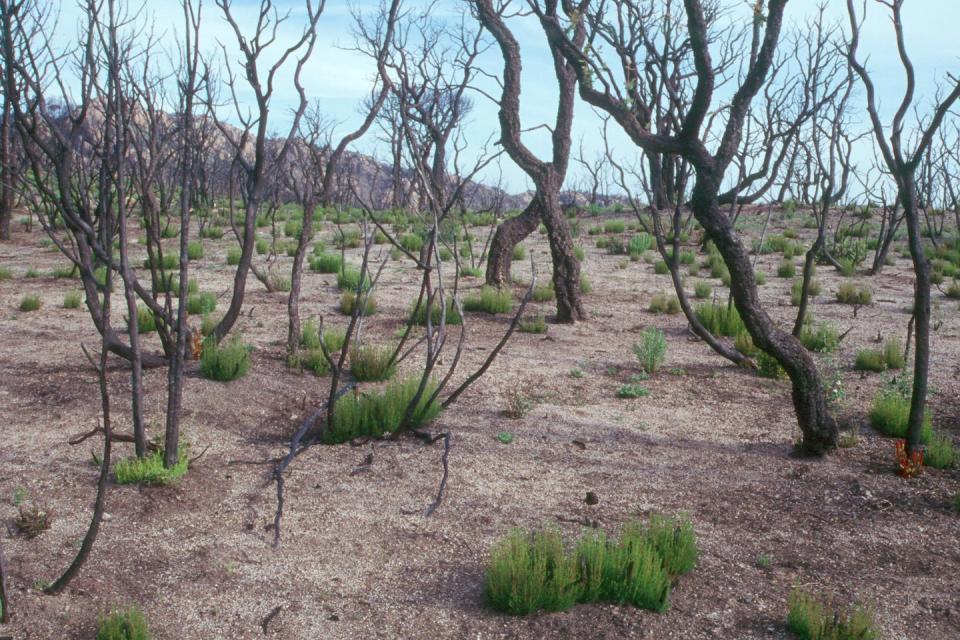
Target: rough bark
509,234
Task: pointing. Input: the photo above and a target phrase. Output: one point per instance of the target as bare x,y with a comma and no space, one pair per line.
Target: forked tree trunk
816,423
296,277
566,267
509,234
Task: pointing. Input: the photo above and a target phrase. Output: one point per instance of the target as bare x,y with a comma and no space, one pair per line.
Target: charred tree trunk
809,400
296,277
566,267
509,234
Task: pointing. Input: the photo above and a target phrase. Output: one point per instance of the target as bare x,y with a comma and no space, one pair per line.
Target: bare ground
358,558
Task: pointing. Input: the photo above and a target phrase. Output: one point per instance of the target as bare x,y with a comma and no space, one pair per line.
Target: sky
339,78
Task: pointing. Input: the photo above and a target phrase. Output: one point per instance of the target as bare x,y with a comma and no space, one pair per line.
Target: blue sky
339,78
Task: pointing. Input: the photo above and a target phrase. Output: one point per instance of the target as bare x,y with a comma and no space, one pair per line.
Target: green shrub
72,300
471,272
373,415
348,300
890,413
796,290
585,286
519,252
744,344
851,293
233,256
31,273
640,244
544,292
631,391
663,303
195,250
939,452
533,324
167,262
326,263
346,238
125,624
199,304
660,267
224,362
411,242
579,253
530,573
720,319
489,300
262,246
371,363
146,323
348,279
810,618
870,360
29,303
702,290
207,324
278,282
533,572
953,291
293,229
786,269
5,274
651,350
760,277
68,271
214,233
823,338
893,355
675,541
419,315
149,469
614,226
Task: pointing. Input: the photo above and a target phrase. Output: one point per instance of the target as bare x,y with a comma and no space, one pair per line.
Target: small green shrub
29,303
953,291
124,624
68,271
411,242
72,300
631,391
890,413
585,285
419,315
614,226
811,618
348,279
544,292
5,274
199,304
346,238
224,362
823,338
195,250
207,324
373,415
31,273
640,244
660,267
519,252
893,355
371,363
786,269
651,350
760,277
262,246
675,541
851,293
744,344
720,319
233,256
489,300
146,323
149,469
702,290
870,360
348,300
533,324
326,263
663,303
579,253
796,290
530,573
939,452
470,272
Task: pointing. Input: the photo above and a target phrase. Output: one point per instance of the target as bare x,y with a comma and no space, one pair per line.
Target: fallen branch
114,437
446,472
270,616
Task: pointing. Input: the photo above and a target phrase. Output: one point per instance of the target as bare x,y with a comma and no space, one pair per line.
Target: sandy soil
359,559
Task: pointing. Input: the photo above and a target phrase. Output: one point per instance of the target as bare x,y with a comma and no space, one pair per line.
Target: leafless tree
547,176
256,158
617,25
903,163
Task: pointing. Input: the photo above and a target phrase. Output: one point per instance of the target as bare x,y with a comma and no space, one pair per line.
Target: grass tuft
489,300
373,415
124,624
149,469
29,303
811,618
651,349
224,362
371,363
